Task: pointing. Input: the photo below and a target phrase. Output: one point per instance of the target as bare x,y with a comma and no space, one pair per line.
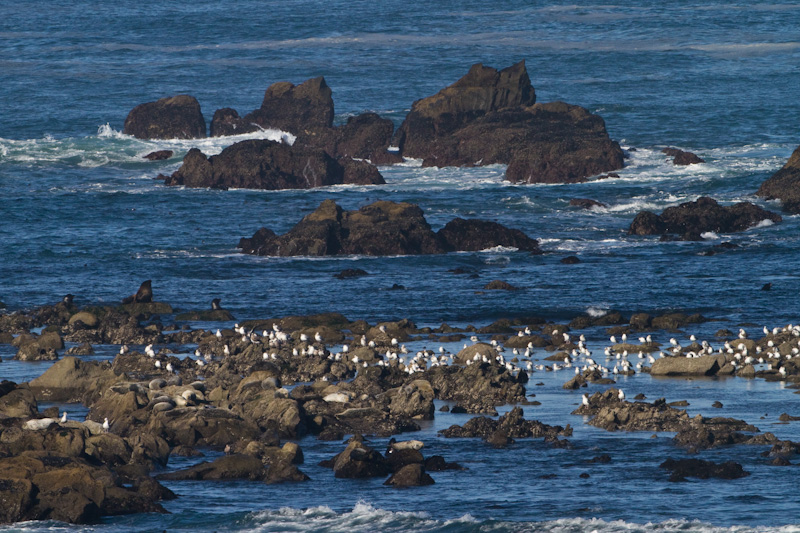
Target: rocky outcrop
707,365
73,380
306,111
490,117
474,235
358,461
238,466
264,164
682,468
295,108
365,136
43,486
381,228
681,158
691,219
478,388
176,117
226,121
511,425
784,185
412,475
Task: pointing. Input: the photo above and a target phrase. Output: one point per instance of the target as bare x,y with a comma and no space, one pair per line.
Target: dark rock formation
490,117
295,108
42,486
681,158
784,185
474,235
350,273
683,468
707,365
691,219
366,136
264,164
159,155
358,461
412,475
499,285
226,121
511,425
238,466
586,203
176,117
381,228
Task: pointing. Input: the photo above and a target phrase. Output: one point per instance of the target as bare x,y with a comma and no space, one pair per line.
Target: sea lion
215,306
143,295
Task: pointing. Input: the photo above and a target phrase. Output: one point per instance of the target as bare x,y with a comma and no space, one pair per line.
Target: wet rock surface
491,116
270,165
175,117
784,185
381,228
691,219
682,468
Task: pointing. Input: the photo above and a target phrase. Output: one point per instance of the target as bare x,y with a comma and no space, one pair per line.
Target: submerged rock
692,219
176,117
491,116
381,228
683,468
264,164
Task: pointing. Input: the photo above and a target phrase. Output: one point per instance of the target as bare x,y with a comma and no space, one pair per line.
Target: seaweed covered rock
381,228
691,219
176,117
265,164
491,116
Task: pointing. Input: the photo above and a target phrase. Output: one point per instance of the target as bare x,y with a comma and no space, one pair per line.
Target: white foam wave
709,235
764,224
500,249
364,517
596,312
109,147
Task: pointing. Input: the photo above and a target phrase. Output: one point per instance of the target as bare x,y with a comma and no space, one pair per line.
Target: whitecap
596,312
709,235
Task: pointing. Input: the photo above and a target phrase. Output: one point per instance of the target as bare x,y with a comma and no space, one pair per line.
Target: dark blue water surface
82,214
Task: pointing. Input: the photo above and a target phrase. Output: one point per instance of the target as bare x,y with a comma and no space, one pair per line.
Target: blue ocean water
82,214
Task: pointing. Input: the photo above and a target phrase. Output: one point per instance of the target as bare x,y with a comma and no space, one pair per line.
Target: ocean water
82,214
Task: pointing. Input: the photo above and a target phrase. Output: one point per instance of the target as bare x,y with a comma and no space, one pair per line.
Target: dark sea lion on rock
215,304
143,295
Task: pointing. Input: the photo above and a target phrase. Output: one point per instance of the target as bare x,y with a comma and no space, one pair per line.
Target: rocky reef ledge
382,228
